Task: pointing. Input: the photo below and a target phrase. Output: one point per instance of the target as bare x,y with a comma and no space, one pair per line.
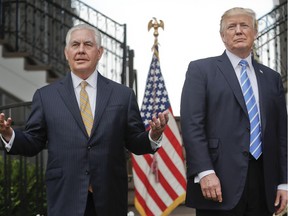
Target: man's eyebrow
74,41
86,41
89,41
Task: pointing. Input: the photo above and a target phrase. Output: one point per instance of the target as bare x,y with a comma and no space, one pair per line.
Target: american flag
159,179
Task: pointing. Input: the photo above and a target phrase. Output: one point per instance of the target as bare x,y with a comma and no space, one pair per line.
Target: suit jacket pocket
213,145
54,174
114,107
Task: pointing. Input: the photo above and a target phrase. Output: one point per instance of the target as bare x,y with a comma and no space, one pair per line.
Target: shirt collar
235,59
91,80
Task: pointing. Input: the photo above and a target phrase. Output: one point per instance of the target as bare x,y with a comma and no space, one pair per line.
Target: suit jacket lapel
103,94
66,91
261,89
227,70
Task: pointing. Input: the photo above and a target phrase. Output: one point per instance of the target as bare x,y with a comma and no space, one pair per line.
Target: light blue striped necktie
255,128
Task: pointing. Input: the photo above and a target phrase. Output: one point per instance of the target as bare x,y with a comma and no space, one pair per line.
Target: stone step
29,63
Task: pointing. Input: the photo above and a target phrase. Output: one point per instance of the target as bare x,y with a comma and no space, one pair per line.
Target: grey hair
239,11
98,37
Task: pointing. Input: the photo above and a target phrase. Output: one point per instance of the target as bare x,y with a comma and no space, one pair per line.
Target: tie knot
243,63
83,84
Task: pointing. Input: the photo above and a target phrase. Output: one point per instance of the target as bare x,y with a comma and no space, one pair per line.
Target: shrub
21,187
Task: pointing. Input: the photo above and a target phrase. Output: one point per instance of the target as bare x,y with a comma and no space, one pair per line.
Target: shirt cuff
8,145
155,144
283,187
202,174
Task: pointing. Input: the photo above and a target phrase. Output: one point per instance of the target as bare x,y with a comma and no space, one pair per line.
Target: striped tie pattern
86,113
85,108
255,128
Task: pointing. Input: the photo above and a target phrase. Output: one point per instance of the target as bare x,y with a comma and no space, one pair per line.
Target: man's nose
81,48
238,29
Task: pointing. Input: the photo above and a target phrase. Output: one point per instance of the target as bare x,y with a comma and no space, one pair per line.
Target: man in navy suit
86,172
224,178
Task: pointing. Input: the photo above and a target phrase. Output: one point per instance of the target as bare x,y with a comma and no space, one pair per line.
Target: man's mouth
81,60
239,40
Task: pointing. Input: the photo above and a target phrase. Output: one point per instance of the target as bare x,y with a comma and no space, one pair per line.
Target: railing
114,40
38,27
22,184
271,43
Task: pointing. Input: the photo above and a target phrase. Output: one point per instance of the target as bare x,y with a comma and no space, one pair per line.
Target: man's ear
65,53
255,35
223,38
100,52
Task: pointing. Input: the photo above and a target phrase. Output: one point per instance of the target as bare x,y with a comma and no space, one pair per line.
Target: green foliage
22,193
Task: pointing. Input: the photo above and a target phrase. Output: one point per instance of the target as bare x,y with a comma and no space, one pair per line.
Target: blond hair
238,11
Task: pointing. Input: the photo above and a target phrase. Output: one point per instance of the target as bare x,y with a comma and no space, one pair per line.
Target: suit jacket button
87,172
246,154
89,147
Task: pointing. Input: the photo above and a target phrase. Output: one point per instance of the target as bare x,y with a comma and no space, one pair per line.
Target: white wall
17,81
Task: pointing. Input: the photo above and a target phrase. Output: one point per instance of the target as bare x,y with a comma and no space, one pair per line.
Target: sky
191,31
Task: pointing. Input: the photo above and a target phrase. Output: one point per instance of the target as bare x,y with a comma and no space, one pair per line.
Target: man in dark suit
82,159
220,121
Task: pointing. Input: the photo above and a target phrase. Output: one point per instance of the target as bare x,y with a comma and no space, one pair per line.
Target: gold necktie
85,108
86,113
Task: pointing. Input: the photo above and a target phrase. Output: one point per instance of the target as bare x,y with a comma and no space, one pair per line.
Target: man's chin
241,47
82,71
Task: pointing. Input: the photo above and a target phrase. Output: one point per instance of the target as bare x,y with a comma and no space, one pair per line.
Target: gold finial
155,25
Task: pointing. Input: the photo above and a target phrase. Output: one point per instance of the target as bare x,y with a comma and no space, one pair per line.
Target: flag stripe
175,157
149,161
173,140
169,190
143,192
172,167
170,177
151,190
171,164
142,203
159,179
161,184
172,204
168,187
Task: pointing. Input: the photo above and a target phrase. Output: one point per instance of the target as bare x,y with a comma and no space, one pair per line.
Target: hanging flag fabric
159,179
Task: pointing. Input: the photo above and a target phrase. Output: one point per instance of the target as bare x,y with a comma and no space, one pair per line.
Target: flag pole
155,24
160,178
